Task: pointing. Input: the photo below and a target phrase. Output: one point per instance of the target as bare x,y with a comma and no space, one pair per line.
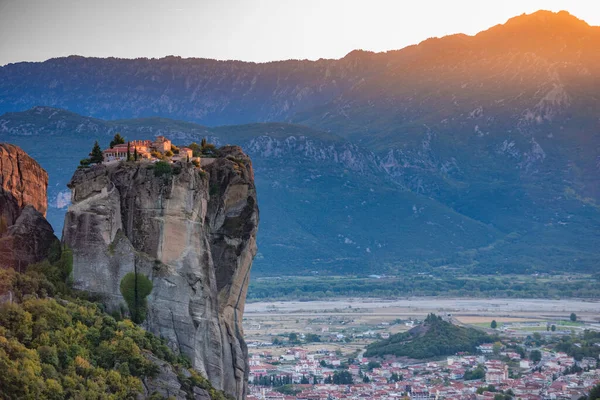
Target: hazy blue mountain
480,152
326,204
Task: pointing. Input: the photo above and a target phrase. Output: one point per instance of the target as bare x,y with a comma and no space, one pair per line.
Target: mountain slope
482,151
326,204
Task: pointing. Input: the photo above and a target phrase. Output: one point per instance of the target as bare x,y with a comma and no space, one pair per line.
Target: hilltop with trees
434,338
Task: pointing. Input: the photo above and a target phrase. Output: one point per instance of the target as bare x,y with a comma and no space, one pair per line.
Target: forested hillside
56,343
434,338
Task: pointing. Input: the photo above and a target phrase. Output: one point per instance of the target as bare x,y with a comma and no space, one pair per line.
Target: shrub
135,288
157,154
162,168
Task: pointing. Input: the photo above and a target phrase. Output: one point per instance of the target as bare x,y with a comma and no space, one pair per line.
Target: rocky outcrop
25,235
28,241
23,178
192,232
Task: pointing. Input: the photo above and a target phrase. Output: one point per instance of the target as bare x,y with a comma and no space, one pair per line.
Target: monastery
144,149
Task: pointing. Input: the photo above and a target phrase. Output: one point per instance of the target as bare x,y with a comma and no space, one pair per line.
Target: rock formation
23,178
192,232
25,235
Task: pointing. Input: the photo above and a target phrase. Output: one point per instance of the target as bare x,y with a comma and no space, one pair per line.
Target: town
555,375
531,359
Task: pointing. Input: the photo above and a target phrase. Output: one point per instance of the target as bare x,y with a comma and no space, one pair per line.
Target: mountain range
479,153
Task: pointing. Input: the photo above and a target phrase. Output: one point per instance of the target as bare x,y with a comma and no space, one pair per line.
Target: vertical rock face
25,235
23,178
192,232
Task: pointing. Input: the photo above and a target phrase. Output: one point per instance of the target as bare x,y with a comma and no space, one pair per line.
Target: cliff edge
25,235
192,232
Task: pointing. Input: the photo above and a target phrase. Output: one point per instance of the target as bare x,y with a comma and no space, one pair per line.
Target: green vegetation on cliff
135,288
54,344
434,338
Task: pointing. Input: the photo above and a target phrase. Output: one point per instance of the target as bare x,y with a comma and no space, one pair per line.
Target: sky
249,30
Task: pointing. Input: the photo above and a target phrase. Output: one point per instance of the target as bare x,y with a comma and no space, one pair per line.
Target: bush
162,168
135,288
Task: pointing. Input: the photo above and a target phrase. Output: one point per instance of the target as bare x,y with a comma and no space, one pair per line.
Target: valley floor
315,340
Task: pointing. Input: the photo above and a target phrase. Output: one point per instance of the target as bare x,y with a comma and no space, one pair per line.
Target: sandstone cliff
23,178
192,232
25,235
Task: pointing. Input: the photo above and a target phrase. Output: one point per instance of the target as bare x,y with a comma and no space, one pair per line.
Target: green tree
342,377
594,393
477,373
496,348
366,379
96,156
535,356
135,154
135,288
117,139
494,324
573,317
293,337
312,338
553,328
128,151
17,321
373,364
196,149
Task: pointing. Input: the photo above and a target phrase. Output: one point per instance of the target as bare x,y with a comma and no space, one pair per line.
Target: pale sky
249,30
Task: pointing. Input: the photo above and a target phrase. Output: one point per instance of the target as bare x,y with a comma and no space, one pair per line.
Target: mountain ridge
483,150
256,92
330,205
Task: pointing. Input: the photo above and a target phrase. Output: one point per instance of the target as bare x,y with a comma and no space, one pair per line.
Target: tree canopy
117,139
56,344
96,155
434,338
